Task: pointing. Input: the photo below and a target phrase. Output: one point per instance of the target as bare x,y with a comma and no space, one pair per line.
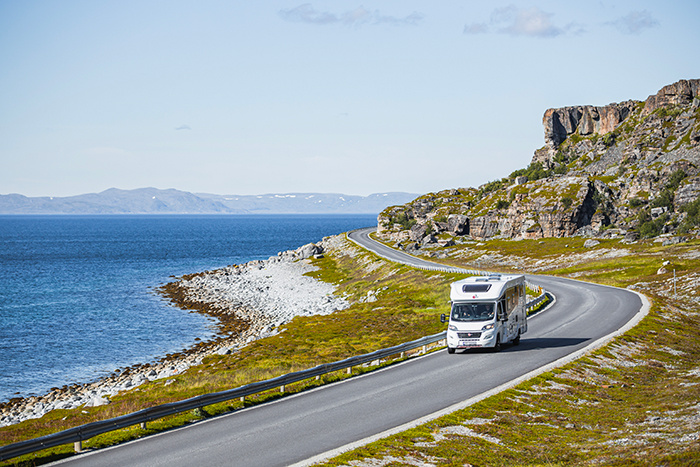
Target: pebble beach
249,302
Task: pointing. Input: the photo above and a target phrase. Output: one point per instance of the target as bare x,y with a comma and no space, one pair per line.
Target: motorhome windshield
473,311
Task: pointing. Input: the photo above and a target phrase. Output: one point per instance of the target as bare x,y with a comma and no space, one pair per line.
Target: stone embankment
249,301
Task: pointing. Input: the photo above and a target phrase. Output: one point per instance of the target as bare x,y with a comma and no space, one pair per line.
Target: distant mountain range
155,201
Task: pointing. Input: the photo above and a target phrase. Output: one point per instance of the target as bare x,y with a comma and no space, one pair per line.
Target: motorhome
487,311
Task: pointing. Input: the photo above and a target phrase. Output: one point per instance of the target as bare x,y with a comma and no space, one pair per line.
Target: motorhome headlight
487,327
452,327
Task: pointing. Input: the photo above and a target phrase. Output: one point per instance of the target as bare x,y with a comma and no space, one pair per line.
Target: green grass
632,402
578,414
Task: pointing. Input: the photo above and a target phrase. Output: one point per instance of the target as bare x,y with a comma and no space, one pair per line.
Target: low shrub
637,202
502,204
692,218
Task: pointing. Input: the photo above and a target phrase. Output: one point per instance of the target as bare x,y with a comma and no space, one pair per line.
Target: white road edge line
643,311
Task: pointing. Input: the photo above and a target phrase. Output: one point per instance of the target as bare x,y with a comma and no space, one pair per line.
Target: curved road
301,428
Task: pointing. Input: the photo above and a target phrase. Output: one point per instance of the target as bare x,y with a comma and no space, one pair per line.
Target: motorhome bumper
454,340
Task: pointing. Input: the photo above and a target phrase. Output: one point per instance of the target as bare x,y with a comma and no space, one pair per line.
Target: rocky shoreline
249,301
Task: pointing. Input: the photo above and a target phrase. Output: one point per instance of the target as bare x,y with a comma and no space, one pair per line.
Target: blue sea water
77,293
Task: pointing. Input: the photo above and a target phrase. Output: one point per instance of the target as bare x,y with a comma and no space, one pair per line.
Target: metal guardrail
454,269
84,432
81,433
533,303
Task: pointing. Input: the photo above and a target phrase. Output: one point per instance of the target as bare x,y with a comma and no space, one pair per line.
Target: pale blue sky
358,97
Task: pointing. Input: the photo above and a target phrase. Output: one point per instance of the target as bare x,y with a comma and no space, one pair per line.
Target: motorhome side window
512,298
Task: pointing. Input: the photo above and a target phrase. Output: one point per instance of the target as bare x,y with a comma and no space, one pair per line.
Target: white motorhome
487,311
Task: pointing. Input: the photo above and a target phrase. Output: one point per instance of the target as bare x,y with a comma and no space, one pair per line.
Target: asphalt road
297,428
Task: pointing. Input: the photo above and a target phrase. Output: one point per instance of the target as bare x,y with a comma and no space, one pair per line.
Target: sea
78,294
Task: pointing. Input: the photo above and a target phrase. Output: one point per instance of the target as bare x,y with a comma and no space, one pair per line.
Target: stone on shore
97,402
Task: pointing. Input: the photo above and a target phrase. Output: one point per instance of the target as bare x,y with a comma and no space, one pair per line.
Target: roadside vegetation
635,401
392,304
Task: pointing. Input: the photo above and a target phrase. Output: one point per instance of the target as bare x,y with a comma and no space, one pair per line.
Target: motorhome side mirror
443,318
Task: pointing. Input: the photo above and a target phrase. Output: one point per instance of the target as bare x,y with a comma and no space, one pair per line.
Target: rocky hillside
626,169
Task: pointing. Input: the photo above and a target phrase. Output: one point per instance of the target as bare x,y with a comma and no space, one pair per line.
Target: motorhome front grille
469,335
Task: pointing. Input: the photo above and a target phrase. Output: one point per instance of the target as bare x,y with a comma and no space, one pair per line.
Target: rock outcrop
583,120
681,93
627,168
587,120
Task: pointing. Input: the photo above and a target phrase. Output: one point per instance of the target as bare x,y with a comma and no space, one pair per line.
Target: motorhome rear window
466,288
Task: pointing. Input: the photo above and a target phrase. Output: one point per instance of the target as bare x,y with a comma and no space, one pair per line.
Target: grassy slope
634,402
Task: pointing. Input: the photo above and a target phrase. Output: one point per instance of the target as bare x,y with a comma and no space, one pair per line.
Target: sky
353,97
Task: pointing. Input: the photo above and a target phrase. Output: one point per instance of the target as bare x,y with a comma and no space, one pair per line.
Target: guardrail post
281,388
78,446
403,354
425,348
143,425
243,399
349,370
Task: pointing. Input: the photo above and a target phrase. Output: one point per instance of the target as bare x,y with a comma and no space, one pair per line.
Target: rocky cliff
630,168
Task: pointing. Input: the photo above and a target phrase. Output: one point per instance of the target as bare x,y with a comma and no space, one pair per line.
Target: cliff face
629,168
584,120
682,93
587,120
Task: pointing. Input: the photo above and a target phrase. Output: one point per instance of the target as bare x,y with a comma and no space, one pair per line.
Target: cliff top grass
635,401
